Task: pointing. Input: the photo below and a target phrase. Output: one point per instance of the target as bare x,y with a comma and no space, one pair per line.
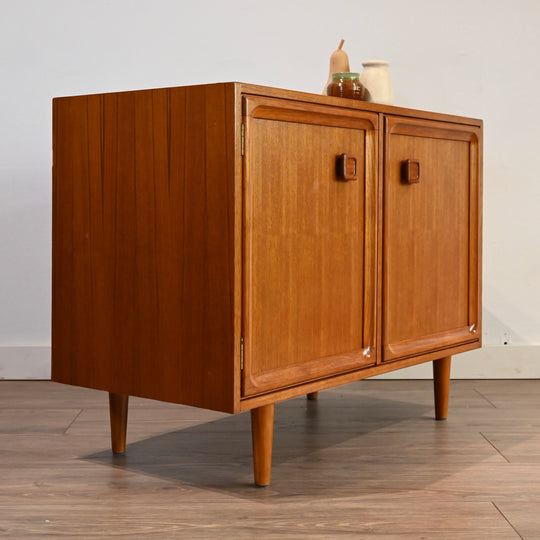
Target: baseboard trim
25,362
489,362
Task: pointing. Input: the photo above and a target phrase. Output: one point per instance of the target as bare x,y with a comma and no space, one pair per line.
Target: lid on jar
370,63
345,75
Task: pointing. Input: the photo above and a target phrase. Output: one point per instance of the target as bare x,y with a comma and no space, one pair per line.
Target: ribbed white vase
376,79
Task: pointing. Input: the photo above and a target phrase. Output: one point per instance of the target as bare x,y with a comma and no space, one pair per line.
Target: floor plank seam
388,471
498,451
73,421
507,520
484,397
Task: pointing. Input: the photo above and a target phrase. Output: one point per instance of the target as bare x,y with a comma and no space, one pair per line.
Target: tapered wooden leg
118,410
313,395
262,433
441,386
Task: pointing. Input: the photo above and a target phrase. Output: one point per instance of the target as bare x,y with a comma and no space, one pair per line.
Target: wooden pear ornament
339,63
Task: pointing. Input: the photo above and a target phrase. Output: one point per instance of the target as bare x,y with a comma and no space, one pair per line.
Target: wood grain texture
309,246
307,113
352,104
160,267
441,386
431,238
143,243
365,460
262,434
118,412
248,403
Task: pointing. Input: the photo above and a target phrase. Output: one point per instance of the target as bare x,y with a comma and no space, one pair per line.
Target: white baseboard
25,362
490,362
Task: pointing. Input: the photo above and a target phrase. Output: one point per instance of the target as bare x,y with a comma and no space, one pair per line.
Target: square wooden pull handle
411,171
346,168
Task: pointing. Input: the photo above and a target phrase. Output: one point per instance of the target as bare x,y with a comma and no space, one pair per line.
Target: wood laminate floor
364,461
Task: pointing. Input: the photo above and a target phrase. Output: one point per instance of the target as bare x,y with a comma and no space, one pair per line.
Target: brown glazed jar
346,85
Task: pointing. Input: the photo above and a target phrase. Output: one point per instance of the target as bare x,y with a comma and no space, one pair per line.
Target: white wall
469,57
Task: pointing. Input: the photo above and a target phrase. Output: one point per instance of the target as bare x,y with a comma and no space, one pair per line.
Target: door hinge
242,139
241,353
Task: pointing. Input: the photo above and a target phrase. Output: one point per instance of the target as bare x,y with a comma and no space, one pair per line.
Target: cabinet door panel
309,287
431,237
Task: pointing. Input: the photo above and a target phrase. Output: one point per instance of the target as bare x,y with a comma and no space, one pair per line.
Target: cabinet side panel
143,239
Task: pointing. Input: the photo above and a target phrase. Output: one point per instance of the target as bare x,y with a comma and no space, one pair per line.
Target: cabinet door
431,238
309,243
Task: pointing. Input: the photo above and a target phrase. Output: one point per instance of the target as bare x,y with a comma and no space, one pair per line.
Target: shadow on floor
340,439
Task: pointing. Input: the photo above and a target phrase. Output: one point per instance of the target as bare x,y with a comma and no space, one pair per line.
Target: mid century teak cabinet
228,246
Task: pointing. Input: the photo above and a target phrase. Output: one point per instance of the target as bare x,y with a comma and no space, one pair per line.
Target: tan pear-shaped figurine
339,63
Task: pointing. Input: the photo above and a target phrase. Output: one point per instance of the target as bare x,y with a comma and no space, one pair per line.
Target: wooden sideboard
228,246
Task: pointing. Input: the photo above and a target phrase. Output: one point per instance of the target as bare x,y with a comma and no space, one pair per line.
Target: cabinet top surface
240,88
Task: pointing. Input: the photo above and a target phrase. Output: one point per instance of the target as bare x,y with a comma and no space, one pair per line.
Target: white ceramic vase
376,79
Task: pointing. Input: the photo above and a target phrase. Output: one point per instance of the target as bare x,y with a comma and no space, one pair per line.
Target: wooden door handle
346,168
410,171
